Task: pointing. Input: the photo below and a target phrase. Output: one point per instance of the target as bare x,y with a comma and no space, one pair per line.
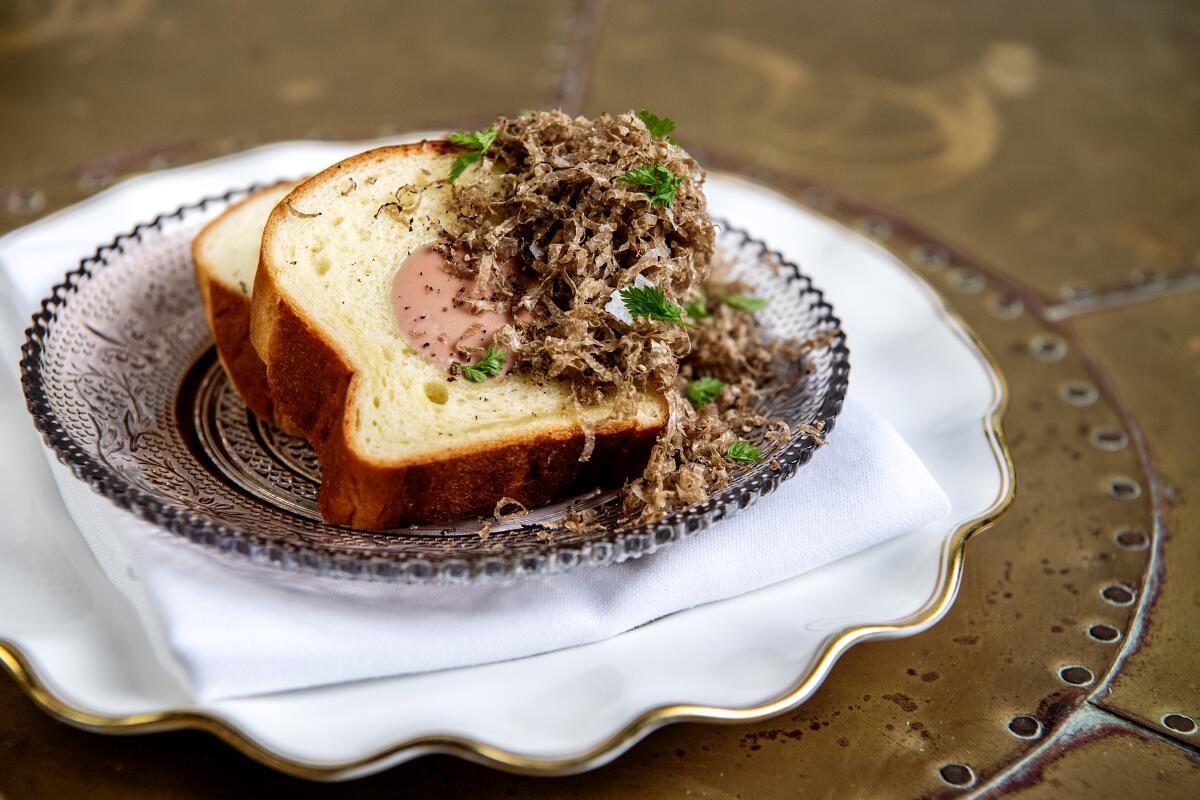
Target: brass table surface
1038,162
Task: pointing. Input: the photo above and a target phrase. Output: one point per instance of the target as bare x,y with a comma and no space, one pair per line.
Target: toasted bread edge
227,311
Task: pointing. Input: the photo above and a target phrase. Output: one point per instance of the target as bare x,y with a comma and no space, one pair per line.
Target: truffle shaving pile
580,233
689,459
550,200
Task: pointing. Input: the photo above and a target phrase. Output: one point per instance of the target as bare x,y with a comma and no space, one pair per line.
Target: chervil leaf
698,308
703,391
656,181
487,367
650,302
478,142
743,451
747,304
658,126
461,163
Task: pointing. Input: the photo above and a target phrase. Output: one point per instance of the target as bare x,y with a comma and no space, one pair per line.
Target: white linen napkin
229,628
234,628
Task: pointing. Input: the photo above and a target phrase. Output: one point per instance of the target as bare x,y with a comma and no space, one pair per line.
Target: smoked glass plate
122,380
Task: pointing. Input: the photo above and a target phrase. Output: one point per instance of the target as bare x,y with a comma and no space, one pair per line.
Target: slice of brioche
225,254
399,442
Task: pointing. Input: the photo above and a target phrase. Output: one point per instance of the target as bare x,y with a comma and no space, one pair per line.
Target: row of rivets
27,201
932,258
1048,348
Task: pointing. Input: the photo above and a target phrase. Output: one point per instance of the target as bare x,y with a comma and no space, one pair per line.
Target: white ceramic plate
75,644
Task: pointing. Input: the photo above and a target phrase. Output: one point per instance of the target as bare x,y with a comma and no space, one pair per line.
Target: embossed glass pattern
120,376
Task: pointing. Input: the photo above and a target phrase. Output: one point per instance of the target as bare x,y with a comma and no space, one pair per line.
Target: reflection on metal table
1035,162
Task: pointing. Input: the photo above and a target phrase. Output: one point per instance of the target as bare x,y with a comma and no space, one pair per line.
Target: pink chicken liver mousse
430,310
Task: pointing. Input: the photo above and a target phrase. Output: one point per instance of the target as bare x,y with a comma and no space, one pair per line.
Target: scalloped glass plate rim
293,549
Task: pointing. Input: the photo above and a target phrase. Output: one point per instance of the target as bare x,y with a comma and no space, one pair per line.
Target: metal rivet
1118,594
1006,306
1076,675
1147,277
819,200
957,775
1109,438
1104,633
930,257
968,281
26,200
94,180
1079,393
876,228
163,161
235,144
1074,291
1024,726
1124,488
1047,348
1180,722
1134,540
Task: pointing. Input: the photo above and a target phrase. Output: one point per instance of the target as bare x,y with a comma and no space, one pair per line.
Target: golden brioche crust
227,310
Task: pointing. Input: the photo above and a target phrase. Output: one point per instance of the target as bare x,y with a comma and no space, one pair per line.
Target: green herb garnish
487,367
703,391
478,142
698,308
656,181
658,126
743,451
742,303
651,303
